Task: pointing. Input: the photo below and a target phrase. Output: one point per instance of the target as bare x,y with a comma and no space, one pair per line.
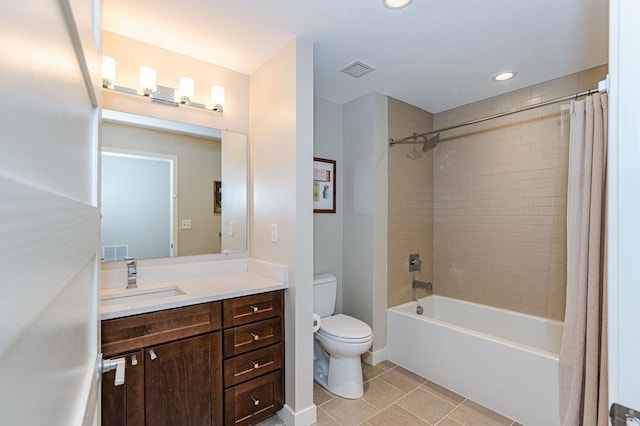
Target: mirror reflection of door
137,206
198,155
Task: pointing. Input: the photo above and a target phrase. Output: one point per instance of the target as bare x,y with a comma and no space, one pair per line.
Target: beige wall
198,166
500,198
411,184
131,54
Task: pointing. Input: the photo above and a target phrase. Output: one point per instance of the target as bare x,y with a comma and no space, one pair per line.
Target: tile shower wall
500,201
411,189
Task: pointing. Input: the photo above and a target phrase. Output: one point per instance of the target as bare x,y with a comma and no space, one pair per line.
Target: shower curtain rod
413,138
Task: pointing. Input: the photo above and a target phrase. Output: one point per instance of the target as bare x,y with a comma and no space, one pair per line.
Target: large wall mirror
171,189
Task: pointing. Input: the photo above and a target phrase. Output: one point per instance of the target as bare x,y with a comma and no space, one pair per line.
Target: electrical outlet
185,224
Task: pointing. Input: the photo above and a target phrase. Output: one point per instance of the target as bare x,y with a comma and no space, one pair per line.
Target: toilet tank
325,287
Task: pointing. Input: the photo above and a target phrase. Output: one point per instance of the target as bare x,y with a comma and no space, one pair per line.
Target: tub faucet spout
422,284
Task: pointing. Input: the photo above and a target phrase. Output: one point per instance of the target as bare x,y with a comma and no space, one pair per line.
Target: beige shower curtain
583,355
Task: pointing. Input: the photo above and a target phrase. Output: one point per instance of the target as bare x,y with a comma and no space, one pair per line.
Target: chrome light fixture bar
161,94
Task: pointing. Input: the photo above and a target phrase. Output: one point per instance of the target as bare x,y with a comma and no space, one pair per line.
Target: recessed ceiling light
504,76
396,4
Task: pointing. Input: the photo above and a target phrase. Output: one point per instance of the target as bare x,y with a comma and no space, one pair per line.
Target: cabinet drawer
250,402
243,310
248,337
135,332
253,364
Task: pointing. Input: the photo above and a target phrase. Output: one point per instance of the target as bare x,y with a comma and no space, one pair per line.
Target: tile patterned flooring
394,396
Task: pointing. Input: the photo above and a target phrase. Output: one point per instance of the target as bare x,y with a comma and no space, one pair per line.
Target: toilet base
345,377
340,376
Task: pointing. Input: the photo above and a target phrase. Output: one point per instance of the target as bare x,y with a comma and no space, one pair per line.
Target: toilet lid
345,327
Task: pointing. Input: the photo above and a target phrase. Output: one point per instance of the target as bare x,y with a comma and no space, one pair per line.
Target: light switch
231,231
274,233
185,224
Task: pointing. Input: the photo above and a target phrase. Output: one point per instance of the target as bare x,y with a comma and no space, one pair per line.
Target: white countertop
196,290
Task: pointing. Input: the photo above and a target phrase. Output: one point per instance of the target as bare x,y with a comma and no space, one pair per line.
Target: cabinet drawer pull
152,355
255,336
134,360
254,308
256,402
255,364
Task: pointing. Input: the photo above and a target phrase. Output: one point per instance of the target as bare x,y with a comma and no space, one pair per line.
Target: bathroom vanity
213,363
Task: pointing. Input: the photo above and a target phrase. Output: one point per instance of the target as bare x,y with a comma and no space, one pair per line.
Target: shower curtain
583,354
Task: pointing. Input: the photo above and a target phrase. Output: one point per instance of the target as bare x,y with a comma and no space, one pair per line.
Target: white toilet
338,344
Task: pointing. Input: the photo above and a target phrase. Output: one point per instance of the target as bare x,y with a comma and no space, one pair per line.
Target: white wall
48,212
281,177
364,290
327,227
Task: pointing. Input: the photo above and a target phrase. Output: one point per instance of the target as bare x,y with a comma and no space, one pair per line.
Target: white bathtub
504,360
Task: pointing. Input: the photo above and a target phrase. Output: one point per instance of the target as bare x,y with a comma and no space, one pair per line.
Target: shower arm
413,138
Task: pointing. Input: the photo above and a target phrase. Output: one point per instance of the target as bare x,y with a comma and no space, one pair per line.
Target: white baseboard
306,417
376,357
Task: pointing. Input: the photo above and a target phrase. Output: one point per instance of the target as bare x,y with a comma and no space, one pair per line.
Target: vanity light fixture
161,94
396,4
503,76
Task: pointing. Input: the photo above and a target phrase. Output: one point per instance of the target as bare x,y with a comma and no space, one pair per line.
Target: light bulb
147,80
217,98
108,71
186,89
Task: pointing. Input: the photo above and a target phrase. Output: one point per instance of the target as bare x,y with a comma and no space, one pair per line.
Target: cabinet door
183,382
123,405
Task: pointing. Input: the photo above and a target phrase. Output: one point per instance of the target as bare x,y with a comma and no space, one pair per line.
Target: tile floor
394,396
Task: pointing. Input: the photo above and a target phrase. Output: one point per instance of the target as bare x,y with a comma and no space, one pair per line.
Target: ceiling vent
357,69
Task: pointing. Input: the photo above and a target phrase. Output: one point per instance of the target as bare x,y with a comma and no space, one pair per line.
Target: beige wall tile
506,247
491,197
411,198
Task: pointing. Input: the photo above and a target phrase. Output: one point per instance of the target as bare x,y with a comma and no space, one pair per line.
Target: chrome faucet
420,284
132,272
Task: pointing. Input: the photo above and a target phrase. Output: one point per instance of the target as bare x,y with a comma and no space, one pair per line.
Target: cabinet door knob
255,364
255,336
152,354
134,360
255,401
254,308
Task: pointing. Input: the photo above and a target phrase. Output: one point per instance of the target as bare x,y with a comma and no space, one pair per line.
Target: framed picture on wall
217,196
324,185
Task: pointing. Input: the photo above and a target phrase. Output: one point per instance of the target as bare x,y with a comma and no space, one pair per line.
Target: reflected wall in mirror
158,188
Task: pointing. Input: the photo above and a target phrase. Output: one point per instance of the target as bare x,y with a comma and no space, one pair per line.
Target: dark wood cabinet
183,382
208,364
124,405
250,402
254,357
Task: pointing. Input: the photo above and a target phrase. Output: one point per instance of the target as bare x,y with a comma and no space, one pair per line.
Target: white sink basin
126,297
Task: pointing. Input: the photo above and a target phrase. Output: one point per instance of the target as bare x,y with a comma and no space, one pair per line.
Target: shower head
430,142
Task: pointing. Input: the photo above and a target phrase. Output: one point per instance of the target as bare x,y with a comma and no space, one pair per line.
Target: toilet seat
343,328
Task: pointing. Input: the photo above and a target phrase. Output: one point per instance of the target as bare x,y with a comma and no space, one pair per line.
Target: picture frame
217,197
324,185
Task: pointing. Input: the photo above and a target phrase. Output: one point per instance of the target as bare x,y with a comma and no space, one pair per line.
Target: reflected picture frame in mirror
232,231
